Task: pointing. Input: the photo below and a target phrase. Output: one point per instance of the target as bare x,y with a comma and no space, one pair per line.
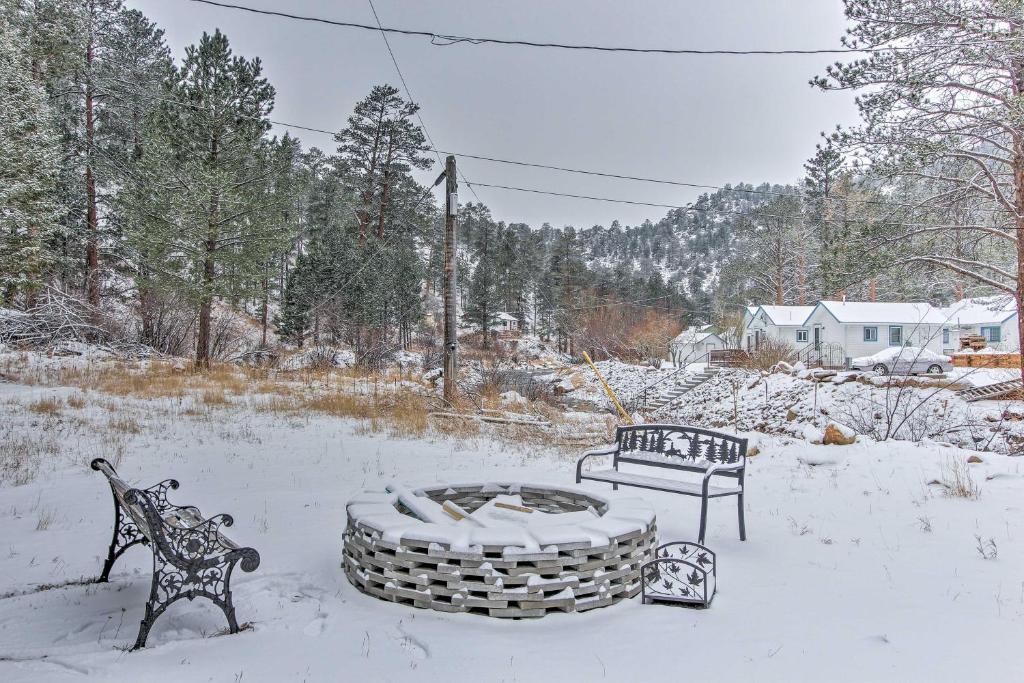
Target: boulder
838,436
563,386
974,460
512,398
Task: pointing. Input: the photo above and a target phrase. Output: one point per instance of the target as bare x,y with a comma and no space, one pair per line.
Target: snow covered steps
674,392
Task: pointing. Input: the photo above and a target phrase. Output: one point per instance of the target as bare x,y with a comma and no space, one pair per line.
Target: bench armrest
719,468
602,450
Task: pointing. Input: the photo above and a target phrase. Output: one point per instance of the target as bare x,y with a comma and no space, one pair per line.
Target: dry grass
50,407
45,519
393,403
23,454
957,480
124,425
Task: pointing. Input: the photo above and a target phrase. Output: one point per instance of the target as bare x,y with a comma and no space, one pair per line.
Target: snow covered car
904,360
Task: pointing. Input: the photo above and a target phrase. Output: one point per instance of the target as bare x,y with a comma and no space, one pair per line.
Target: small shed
505,323
692,344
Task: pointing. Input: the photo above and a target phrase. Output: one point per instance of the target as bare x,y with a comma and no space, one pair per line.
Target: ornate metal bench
192,558
686,449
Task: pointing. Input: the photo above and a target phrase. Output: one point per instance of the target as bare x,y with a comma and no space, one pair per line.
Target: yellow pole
607,389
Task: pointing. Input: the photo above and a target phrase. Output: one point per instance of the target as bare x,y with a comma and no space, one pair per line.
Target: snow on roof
692,335
787,315
502,315
884,312
982,309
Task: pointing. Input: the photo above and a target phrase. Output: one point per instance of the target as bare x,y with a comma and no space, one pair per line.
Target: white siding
850,336
786,333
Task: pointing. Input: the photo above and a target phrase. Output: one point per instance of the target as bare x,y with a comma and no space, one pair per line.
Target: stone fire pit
520,550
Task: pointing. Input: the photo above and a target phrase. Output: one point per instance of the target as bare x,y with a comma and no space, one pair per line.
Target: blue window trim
802,336
897,342
870,334
992,334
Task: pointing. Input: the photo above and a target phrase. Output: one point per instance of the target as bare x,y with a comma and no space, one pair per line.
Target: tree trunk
92,246
801,298
209,272
206,309
872,290
264,311
383,204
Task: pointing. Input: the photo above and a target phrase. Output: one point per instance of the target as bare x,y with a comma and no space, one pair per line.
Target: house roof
883,312
693,335
502,315
787,315
982,309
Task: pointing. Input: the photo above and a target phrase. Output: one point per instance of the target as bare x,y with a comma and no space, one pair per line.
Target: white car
904,360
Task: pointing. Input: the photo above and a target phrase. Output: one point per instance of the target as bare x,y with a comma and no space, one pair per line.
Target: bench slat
659,483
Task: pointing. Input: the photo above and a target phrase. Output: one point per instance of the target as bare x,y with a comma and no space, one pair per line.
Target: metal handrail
642,393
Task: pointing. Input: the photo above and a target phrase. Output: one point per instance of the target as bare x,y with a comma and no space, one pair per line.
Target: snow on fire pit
502,550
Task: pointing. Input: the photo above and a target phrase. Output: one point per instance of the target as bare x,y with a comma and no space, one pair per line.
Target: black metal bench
687,449
192,558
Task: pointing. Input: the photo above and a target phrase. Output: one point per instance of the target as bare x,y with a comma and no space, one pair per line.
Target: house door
817,338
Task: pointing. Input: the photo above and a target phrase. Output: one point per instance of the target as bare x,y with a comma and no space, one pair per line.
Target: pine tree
482,290
379,147
29,170
213,168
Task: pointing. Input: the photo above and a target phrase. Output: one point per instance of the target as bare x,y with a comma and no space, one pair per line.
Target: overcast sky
700,119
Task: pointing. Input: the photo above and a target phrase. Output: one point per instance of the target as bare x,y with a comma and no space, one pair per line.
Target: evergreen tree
214,179
29,170
482,290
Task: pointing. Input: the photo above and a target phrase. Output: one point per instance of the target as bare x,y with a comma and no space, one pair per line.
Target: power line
444,40
408,93
688,207
566,169
692,208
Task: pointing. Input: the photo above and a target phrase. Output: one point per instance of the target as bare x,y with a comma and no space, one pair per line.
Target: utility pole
450,332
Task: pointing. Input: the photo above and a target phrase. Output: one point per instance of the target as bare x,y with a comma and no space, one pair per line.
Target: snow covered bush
770,353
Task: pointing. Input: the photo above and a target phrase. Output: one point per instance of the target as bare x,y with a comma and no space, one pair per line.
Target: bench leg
171,584
743,527
126,534
703,518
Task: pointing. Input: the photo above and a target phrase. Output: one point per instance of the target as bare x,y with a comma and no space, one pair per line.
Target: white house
785,323
505,322
863,328
692,344
992,317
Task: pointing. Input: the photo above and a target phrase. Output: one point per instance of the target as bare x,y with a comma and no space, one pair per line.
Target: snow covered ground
859,570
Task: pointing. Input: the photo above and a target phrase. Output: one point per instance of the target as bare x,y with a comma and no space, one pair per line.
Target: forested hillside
154,189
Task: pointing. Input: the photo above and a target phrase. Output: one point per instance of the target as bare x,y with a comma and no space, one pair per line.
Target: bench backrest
690,448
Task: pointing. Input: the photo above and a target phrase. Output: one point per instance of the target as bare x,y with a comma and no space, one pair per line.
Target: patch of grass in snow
77,401
23,453
124,425
957,481
46,517
50,407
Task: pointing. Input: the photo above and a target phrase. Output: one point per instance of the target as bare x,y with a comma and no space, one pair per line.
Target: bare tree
942,99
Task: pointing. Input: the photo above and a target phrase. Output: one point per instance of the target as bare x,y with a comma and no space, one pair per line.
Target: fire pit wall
570,568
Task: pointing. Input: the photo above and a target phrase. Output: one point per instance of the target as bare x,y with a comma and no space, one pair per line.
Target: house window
991,334
870,334
895,335
801,336
945,336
